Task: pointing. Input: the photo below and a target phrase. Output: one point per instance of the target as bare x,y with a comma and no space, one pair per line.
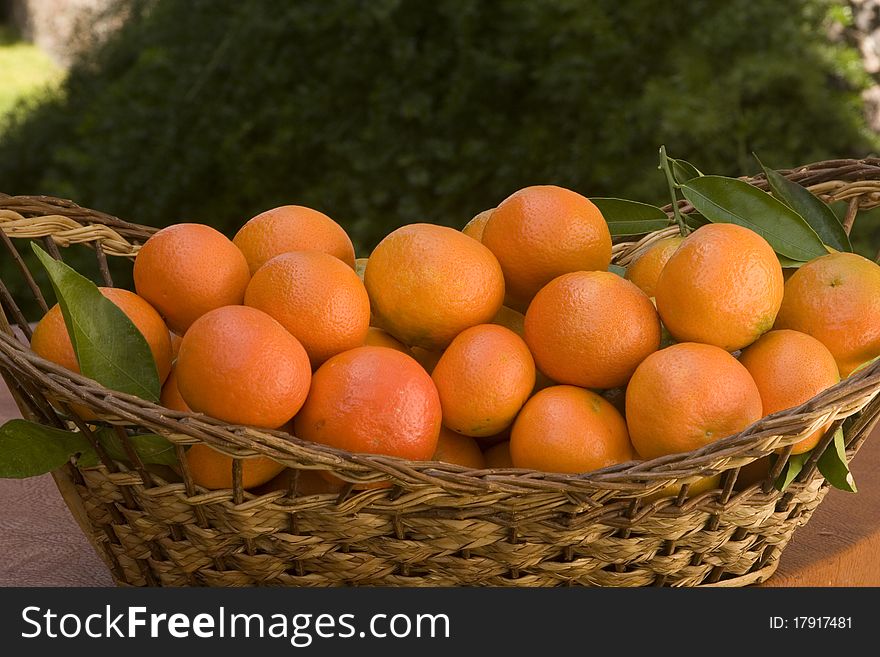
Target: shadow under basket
436,524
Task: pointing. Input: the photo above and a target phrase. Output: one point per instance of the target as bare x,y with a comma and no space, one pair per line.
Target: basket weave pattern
439,524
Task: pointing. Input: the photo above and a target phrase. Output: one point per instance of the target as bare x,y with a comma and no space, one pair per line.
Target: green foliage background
390,112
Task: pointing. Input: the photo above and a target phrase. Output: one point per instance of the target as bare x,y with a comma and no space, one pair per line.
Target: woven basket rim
818,410
758,439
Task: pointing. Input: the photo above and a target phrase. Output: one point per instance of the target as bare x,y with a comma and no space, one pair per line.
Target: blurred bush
389,112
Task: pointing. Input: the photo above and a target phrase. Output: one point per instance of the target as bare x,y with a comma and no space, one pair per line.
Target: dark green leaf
818,215
617,269
28,449
790,470
694,220
151,448
729,200
682,170
108,346
833,466
788,263
630,217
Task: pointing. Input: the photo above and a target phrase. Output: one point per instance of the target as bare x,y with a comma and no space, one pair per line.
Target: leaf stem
664,165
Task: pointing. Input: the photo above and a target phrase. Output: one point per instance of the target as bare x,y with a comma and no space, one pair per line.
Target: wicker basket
438,525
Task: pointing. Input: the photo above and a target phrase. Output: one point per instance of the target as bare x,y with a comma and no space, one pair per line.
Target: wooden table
43,546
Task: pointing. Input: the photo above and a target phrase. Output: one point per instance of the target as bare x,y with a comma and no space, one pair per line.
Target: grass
27,70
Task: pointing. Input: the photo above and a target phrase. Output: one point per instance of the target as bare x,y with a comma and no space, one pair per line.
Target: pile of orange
506,344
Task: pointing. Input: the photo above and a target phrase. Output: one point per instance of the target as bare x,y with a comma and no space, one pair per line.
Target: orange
645,270
186,270
483,378
498,456
428,283
542,232
170,397
212,470
836,299
722,286
316,297
462,450
292,228
51,340
591,329
571,430
305,482
686,396
239,365
376,337
372,400
475,227
695,488
789,368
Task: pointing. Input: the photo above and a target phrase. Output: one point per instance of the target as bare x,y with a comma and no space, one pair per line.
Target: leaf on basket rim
791,470
28,449
730,200
682,170
150,447
625,217
833,466
617,269
811,208
108,346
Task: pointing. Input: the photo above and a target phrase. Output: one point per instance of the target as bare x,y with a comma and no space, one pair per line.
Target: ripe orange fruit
462,450
239,365
372,400
722,286
645,270
316,297
687,396
51,340
569,429
498,455
376,337
483,378
789,368
591,329
695,488
542,232
170,397
836,299
307,482
186,270
428,283
475,227
213,470
292,228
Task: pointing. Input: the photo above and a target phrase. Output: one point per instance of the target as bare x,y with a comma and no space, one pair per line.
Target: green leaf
694,220
108,346
631,217
818,215
28,449
833,466
729,200
617,269
788,263
682,170
790,470
151,448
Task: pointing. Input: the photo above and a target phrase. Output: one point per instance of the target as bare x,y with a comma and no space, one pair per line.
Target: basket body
437,525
